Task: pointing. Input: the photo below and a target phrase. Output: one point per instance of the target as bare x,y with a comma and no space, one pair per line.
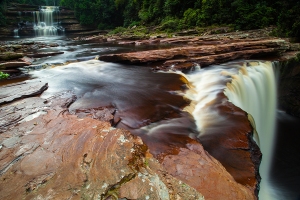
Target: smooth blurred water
254,89
151,103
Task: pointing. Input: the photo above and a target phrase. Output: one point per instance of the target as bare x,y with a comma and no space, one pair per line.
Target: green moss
113,191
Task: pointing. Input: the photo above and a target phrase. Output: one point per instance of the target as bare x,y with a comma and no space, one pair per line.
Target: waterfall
254,90
206,84
44,21
16,33
249,85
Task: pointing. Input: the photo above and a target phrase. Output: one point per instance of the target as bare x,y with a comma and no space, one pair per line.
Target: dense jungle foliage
173,15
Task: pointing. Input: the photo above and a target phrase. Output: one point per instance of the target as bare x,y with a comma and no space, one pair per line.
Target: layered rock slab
16,91
202,54
195,167
59,156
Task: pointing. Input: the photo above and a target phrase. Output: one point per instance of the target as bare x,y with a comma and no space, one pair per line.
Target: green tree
289,19
2,13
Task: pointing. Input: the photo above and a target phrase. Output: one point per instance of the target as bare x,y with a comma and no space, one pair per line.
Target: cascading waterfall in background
44,21
250,85
16,33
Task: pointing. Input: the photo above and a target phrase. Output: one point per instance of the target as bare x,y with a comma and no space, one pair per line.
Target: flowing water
44,23
16,33
154,104
254,90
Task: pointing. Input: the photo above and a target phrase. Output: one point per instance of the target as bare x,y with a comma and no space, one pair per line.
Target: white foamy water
44,24
254,90
249,85
206,84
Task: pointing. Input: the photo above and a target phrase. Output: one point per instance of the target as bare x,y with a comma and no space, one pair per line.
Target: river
151,104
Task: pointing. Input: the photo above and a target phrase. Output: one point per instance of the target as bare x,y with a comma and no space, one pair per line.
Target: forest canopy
176,15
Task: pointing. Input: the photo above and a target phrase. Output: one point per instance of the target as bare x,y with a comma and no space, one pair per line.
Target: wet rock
53,45
155,178
43,54
21,90
127,42
27,59
36,67
46,152
9,65
105,114
60,156
201,54
243,156
27,43
11,71
29,108
195,167
10,56
21,110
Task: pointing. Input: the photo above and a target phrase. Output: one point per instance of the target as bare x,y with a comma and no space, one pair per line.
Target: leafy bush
170,24
3,75
118,30
2,17
289,20
192,17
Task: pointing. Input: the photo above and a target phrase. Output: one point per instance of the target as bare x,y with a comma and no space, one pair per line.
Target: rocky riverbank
204,50
18,55
46,152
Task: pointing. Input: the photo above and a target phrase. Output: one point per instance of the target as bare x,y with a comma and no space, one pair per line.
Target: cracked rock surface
59,156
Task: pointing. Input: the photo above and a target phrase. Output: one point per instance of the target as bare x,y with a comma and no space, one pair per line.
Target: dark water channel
141,97
285,171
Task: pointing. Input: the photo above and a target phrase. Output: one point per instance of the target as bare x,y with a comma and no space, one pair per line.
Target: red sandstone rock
13,64
103,113
12,92
60,156
235,140
202,54
197,168
44,54
29,108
